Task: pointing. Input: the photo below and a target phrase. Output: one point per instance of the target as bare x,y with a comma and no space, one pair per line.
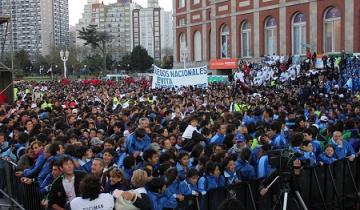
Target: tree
93,63
126,62
95,39
22,60
140,59
54,60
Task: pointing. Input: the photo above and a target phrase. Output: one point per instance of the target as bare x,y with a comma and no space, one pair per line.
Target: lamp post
64,57
184,54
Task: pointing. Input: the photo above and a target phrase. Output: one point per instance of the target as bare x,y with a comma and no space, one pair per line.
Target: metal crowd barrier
328,187
332,187
20,196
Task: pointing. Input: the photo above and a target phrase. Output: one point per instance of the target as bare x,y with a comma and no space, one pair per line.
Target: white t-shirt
105,201
239,76
189,132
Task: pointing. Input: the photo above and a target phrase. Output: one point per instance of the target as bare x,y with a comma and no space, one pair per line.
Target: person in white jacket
91,196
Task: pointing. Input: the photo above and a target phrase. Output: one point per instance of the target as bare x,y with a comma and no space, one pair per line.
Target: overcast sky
76,7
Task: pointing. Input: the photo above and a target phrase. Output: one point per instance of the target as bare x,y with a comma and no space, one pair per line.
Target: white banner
169,78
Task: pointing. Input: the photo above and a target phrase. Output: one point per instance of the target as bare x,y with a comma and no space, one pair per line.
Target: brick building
218,32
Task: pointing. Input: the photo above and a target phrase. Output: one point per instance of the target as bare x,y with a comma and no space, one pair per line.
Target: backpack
121,203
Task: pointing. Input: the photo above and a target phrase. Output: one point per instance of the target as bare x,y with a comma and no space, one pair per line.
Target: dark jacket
57,193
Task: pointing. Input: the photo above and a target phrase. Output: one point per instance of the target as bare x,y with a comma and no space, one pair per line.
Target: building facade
116,19
152,29
213,30
37,26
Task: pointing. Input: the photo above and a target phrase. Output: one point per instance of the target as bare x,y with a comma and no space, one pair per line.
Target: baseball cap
239,138
95,141
324,119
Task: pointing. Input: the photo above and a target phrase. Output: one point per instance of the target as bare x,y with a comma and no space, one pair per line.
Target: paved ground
3,201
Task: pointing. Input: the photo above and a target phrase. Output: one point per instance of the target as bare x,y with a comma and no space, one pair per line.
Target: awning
226,63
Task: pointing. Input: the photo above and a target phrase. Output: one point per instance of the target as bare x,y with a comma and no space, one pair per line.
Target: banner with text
169,78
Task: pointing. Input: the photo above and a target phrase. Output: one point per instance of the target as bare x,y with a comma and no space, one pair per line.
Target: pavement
4,201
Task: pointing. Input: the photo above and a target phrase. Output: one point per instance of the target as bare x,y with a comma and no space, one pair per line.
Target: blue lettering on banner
181,72
165,78
163,82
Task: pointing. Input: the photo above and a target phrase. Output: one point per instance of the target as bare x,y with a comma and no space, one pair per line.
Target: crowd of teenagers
105,145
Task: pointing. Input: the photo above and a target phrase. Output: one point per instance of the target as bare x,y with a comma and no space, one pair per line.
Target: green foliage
126,62
96,39
140,59
93,63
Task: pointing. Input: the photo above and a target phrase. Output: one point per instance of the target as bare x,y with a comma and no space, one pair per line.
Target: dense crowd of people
104,145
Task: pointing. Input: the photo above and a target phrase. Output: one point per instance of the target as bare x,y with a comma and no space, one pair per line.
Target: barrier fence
334,187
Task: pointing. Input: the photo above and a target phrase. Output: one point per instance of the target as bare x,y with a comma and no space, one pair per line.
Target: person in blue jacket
278,141
244,169
129,167
307,154
230,175
328,156
137,142
342,148
172,188
155,191
189,187
151,158
220,134
212,178
182,164
53,153
55,173
263,167
40,160
308,136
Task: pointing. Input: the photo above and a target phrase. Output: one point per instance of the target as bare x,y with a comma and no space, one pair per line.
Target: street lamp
185,54
64,57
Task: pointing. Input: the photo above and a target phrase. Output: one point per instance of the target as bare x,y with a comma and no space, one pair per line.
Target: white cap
324,119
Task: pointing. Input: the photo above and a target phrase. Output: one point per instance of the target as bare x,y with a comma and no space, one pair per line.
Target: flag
349,84
50,70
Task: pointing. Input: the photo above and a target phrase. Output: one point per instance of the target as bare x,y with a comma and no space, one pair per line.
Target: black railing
323,187
329,187
21,196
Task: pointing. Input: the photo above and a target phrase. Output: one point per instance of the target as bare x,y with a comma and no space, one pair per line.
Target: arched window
245,39
332,30
298,34
270,36
224,40
197,46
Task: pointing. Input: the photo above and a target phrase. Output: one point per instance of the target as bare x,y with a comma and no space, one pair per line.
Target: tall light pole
64,58
184,54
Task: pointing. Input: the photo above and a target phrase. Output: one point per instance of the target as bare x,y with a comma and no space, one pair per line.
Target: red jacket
3,98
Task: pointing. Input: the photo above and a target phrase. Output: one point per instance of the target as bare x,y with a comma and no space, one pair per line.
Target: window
183,49
197,46
196,1
270,36
332,30
182,22
298,34
245,39
224,41
181,4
